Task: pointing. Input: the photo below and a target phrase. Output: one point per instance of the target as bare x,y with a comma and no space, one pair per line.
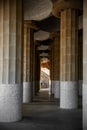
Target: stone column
34,92
31,65
80,60
52,70
29,28
50,82
37,72
56,65
67,11
69,59
84,64
26,64
11,60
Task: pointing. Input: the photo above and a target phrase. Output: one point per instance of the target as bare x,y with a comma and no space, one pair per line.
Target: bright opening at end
45,75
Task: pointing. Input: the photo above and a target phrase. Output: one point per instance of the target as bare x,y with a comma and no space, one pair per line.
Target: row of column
26,64
72,52
69,59
55,65
17,58
71,55
68,54
31,64
11,61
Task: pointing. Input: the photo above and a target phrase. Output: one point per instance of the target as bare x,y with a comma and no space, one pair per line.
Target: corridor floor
44,114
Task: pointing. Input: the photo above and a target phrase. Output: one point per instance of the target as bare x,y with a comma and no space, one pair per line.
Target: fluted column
50,82
33,47
26,64
11,60
52,71
37,72
56,66
69,59
84,64
67,11
31,64
80,60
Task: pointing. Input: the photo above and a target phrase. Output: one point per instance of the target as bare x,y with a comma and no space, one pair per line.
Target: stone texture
49,87
35,69
26,92
80,61
80,23
41,35
46,115
31,62
55,60
60,5
69,45
11,60
26,53
57,89
68,95
80,87
37,72
28,32
84,64
10,42
43,47
10,102
34,11
52,87
84,106
56,57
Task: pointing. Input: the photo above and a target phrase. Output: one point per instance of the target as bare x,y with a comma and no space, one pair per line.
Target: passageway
44,113
43,64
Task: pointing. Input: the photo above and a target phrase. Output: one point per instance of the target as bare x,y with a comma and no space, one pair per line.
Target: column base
57,89
80,87
26,92
68,95
84,106
10,102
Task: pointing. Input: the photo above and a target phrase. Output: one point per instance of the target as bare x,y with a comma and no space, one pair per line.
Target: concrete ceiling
41,35
37,9
43,54
43,47
41,12
49,24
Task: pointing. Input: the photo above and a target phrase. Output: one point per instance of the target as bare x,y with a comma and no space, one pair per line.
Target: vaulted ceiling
40,11
37,9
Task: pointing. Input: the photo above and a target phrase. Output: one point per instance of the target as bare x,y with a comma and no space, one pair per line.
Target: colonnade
18,57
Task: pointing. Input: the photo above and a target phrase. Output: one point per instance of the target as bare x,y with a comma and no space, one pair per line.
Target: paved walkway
44,114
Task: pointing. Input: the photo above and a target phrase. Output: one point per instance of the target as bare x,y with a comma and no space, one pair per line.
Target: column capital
65,4
31,24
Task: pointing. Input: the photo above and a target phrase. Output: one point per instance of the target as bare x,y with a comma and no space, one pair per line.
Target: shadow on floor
44,114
